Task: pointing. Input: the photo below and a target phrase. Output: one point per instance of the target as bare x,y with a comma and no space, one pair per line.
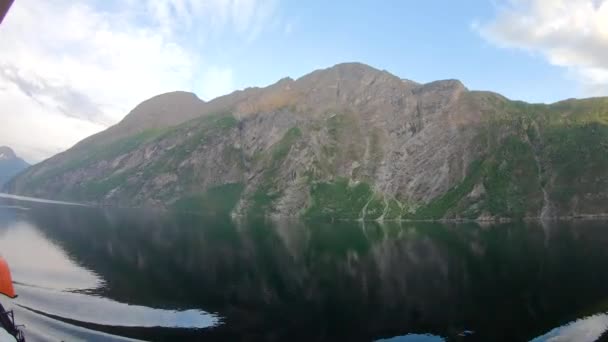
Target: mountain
347,142
10,164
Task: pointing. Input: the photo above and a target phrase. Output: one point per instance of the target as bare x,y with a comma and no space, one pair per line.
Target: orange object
6,282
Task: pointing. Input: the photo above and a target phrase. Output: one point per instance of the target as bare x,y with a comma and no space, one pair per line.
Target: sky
69,69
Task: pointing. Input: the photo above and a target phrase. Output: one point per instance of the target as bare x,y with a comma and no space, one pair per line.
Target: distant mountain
350,142
10,164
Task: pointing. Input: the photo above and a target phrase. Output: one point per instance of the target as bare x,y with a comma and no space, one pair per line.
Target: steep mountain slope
10,164
345,142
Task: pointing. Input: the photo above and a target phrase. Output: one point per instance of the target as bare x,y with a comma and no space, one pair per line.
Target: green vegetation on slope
511,180
192,135
186,139
267,192
88,157
99,188
344,145
438,208
561,147
579,161
340,200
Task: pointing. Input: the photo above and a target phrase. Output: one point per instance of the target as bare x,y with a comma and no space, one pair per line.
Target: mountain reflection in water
186,276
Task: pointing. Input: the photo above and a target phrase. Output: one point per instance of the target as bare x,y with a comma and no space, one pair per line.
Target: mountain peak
443,87
7,153
165,110
354,67
172,104
349,70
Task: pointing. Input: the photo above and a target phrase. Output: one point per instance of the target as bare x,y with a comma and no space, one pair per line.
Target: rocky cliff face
345,142
10,164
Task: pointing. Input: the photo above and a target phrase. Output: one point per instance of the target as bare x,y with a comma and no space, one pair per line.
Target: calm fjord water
99,274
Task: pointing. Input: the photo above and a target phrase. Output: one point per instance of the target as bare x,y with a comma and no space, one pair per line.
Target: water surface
99,274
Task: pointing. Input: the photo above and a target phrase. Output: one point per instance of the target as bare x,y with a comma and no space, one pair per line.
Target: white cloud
569,33
34,129
245,17
69,69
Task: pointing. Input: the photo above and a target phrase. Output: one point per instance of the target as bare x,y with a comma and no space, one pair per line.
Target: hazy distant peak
7,153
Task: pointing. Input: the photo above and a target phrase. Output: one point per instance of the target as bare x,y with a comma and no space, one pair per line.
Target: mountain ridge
349,141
